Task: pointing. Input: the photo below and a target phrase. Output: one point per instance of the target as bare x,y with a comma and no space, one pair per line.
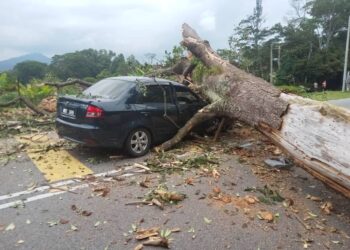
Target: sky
125,26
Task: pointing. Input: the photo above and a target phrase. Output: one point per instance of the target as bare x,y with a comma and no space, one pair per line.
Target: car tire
138,142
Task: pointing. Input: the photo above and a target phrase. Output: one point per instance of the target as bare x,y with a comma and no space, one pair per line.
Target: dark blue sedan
132,113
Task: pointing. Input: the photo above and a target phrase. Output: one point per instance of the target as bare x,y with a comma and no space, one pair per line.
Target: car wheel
138,142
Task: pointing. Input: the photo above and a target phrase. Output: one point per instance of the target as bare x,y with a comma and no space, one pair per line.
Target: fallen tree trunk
316,135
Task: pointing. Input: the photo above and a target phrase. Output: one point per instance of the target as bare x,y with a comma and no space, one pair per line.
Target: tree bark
316,135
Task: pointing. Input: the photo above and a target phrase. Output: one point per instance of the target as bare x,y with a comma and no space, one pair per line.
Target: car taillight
93,112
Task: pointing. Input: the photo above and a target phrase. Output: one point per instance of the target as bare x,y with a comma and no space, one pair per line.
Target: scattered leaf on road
216,190
102,191
63,221
142,234
157,203
175,230
10,227
206,220
86,213
251,199
327,207
146,183
191,230
265,215
189,181
73,228
313,198
215,174
312,215
157,241
139,247
52,223
288,202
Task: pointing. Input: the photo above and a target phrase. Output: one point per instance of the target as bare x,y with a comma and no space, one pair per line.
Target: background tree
247,40
312,43
132,63
119,66
26,71
81,64
172,57
150,57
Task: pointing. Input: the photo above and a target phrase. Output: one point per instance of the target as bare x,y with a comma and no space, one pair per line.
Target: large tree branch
200,117
70,81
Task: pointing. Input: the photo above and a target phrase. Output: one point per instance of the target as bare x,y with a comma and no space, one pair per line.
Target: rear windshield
109,88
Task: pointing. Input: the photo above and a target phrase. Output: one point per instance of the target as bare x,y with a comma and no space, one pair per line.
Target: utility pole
271,64
346,58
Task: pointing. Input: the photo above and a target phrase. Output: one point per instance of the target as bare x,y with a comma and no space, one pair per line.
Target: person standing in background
324,85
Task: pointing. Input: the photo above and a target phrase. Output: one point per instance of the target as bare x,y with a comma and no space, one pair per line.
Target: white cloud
125,26
208,21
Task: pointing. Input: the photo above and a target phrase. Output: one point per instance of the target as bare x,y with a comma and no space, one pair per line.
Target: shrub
35,92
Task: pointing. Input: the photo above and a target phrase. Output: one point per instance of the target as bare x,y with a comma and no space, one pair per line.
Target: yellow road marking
55,164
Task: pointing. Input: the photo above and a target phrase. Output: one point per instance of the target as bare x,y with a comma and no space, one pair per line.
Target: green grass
318,96
327,95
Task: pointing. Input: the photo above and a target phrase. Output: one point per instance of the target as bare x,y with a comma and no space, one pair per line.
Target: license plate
68,112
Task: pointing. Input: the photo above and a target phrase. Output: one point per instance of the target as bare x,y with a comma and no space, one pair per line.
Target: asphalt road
38,214
341,102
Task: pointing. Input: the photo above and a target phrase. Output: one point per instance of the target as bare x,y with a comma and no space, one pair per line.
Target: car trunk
73,109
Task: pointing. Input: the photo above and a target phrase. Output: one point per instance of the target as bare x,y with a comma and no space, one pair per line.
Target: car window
184,96
154,94
109,88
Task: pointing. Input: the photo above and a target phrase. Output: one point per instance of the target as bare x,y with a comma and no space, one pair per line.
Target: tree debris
161,193
327,207
268,196
265,215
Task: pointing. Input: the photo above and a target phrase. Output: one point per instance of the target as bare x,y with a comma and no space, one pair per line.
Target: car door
161,108
188,103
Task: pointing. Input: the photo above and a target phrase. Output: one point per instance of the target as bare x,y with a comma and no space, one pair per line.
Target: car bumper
89,135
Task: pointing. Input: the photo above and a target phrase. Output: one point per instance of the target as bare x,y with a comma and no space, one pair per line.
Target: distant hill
10,63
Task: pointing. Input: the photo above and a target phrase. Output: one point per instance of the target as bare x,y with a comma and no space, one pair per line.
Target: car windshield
109,88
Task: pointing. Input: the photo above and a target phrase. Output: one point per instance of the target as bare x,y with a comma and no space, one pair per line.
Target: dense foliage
309,48
29,70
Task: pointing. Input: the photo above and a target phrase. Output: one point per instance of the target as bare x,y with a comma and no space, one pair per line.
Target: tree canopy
28,70
309,48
